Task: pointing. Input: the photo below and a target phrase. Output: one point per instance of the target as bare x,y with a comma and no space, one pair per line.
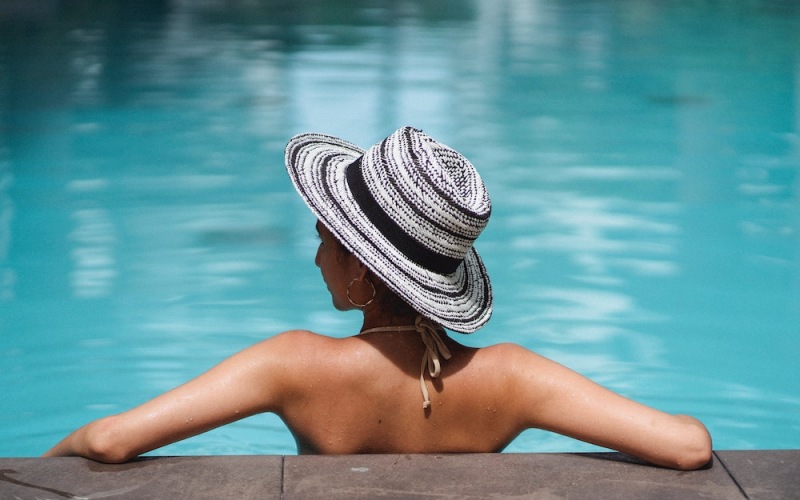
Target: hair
390,300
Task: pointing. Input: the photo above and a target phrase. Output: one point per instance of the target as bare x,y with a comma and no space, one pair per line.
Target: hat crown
458,178
430,193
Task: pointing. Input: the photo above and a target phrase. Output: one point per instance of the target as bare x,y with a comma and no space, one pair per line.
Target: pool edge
733,474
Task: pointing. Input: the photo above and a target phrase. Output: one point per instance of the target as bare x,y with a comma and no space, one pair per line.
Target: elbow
694,459
698,458
104,443
696,450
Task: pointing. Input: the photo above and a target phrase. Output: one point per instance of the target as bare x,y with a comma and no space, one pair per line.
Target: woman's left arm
247,383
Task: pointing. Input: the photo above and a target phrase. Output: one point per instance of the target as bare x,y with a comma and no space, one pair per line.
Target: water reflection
7,274
93,254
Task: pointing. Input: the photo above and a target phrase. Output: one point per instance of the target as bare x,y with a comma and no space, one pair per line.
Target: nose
316,258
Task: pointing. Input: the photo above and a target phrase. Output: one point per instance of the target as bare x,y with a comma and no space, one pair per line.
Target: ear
353,264
362,270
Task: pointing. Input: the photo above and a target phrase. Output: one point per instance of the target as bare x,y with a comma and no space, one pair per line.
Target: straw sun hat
409,208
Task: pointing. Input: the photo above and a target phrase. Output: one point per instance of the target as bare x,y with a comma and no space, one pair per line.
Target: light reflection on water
642,159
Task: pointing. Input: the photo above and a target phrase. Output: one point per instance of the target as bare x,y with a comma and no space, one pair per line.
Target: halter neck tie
434,348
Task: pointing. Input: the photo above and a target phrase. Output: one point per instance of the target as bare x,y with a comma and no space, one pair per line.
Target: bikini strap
434,348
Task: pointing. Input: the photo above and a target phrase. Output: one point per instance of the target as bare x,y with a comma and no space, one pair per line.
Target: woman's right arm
555,398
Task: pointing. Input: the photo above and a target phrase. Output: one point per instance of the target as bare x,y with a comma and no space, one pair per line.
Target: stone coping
731,475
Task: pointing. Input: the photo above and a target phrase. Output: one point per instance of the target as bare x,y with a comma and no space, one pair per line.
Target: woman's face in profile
332,261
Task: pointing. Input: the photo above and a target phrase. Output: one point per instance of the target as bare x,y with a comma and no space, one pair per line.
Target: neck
377,318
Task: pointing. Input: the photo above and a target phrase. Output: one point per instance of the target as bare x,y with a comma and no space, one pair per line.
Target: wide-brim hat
410,209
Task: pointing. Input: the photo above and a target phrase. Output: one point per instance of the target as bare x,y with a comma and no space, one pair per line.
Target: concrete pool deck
732,475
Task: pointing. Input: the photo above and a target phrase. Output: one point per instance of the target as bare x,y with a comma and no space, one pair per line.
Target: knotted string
434,347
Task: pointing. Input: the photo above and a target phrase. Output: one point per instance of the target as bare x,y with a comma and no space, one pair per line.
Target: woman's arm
247,383
555,398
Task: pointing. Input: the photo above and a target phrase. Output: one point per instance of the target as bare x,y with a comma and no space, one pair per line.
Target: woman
397,224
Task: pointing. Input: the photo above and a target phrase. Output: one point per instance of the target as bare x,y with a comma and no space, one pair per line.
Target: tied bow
434,347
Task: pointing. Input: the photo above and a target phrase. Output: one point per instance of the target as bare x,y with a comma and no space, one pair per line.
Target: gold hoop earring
361,306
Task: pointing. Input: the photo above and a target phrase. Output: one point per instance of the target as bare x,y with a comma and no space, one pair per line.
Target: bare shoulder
506,349
280,357
296,341
508,357
304,348
527,378
510,369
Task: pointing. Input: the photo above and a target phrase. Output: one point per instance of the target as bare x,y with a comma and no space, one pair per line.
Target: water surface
643,159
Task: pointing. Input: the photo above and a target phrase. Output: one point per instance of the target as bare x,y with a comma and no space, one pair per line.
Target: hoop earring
361,306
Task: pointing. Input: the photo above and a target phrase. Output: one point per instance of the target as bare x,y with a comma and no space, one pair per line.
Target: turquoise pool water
643,158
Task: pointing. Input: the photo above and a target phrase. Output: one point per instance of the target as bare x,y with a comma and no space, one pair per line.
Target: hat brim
460,301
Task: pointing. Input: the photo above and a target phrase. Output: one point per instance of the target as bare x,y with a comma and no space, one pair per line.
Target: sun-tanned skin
361,394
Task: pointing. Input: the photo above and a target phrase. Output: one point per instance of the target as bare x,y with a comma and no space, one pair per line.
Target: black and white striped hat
409,208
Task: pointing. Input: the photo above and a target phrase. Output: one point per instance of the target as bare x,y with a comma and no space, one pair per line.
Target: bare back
362,395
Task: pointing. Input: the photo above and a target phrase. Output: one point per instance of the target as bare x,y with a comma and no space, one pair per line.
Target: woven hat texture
410,209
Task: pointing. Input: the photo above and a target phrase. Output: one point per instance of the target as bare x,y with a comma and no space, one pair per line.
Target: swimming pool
643,160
